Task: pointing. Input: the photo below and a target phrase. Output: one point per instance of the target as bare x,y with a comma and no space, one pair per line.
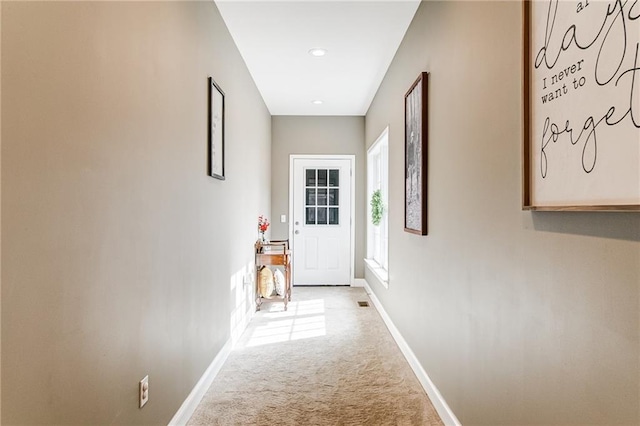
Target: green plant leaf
377,207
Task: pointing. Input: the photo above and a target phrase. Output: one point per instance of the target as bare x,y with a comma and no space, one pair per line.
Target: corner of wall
359,282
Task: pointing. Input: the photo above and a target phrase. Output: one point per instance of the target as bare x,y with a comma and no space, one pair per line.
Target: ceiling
360,37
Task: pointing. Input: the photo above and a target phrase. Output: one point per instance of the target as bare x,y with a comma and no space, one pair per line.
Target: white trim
352,160
352,174
381,148
381,274
359,282
441,406
385,133
190,404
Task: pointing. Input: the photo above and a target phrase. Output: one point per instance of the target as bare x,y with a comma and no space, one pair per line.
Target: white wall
518,317
121,257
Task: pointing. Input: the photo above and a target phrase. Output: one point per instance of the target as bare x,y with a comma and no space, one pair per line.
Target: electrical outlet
143,395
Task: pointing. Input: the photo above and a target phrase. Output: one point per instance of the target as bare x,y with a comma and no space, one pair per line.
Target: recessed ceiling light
316,102
316,51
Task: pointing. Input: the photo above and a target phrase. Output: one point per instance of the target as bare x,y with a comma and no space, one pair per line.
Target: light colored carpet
326,361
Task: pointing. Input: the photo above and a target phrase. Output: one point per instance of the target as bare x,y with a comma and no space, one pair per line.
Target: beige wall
0,214
317,135
121,257
517,317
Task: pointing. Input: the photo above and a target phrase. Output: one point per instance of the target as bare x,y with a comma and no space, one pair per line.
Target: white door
321,220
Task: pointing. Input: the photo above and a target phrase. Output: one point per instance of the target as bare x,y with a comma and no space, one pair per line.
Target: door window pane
322,197
333,216
322,177
321,190
334,177
322,215
310,216
311,197
334,196
311,177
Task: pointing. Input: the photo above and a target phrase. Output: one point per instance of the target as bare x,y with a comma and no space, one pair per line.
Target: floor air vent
363,304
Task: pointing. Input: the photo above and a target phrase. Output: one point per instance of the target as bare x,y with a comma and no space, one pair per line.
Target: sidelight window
377,224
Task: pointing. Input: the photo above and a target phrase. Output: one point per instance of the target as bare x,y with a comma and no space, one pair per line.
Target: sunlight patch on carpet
296,308
303,320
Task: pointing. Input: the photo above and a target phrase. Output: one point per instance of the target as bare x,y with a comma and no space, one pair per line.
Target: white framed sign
581,105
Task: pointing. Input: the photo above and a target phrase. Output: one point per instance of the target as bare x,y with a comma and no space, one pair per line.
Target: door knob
297,223
297,232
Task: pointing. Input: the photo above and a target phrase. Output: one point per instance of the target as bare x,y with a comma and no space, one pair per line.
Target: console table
275,253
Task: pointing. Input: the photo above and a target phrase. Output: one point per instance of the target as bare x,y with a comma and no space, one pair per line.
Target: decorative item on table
263,225
278,278
265,282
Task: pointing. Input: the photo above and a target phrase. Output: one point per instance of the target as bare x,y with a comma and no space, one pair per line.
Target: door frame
352,181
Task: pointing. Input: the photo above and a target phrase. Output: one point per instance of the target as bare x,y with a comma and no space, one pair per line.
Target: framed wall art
581,66
216,130
415,157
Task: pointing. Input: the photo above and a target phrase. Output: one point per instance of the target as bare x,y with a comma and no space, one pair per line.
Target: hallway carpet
326,361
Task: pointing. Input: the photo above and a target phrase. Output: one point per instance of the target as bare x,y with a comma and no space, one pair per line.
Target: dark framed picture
216,130
415,157
581,104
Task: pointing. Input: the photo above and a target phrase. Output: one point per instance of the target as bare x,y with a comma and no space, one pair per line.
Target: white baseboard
359,282
190,404
441,406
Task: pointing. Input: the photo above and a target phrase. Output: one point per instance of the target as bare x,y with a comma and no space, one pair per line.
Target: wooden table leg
288,281
257,289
